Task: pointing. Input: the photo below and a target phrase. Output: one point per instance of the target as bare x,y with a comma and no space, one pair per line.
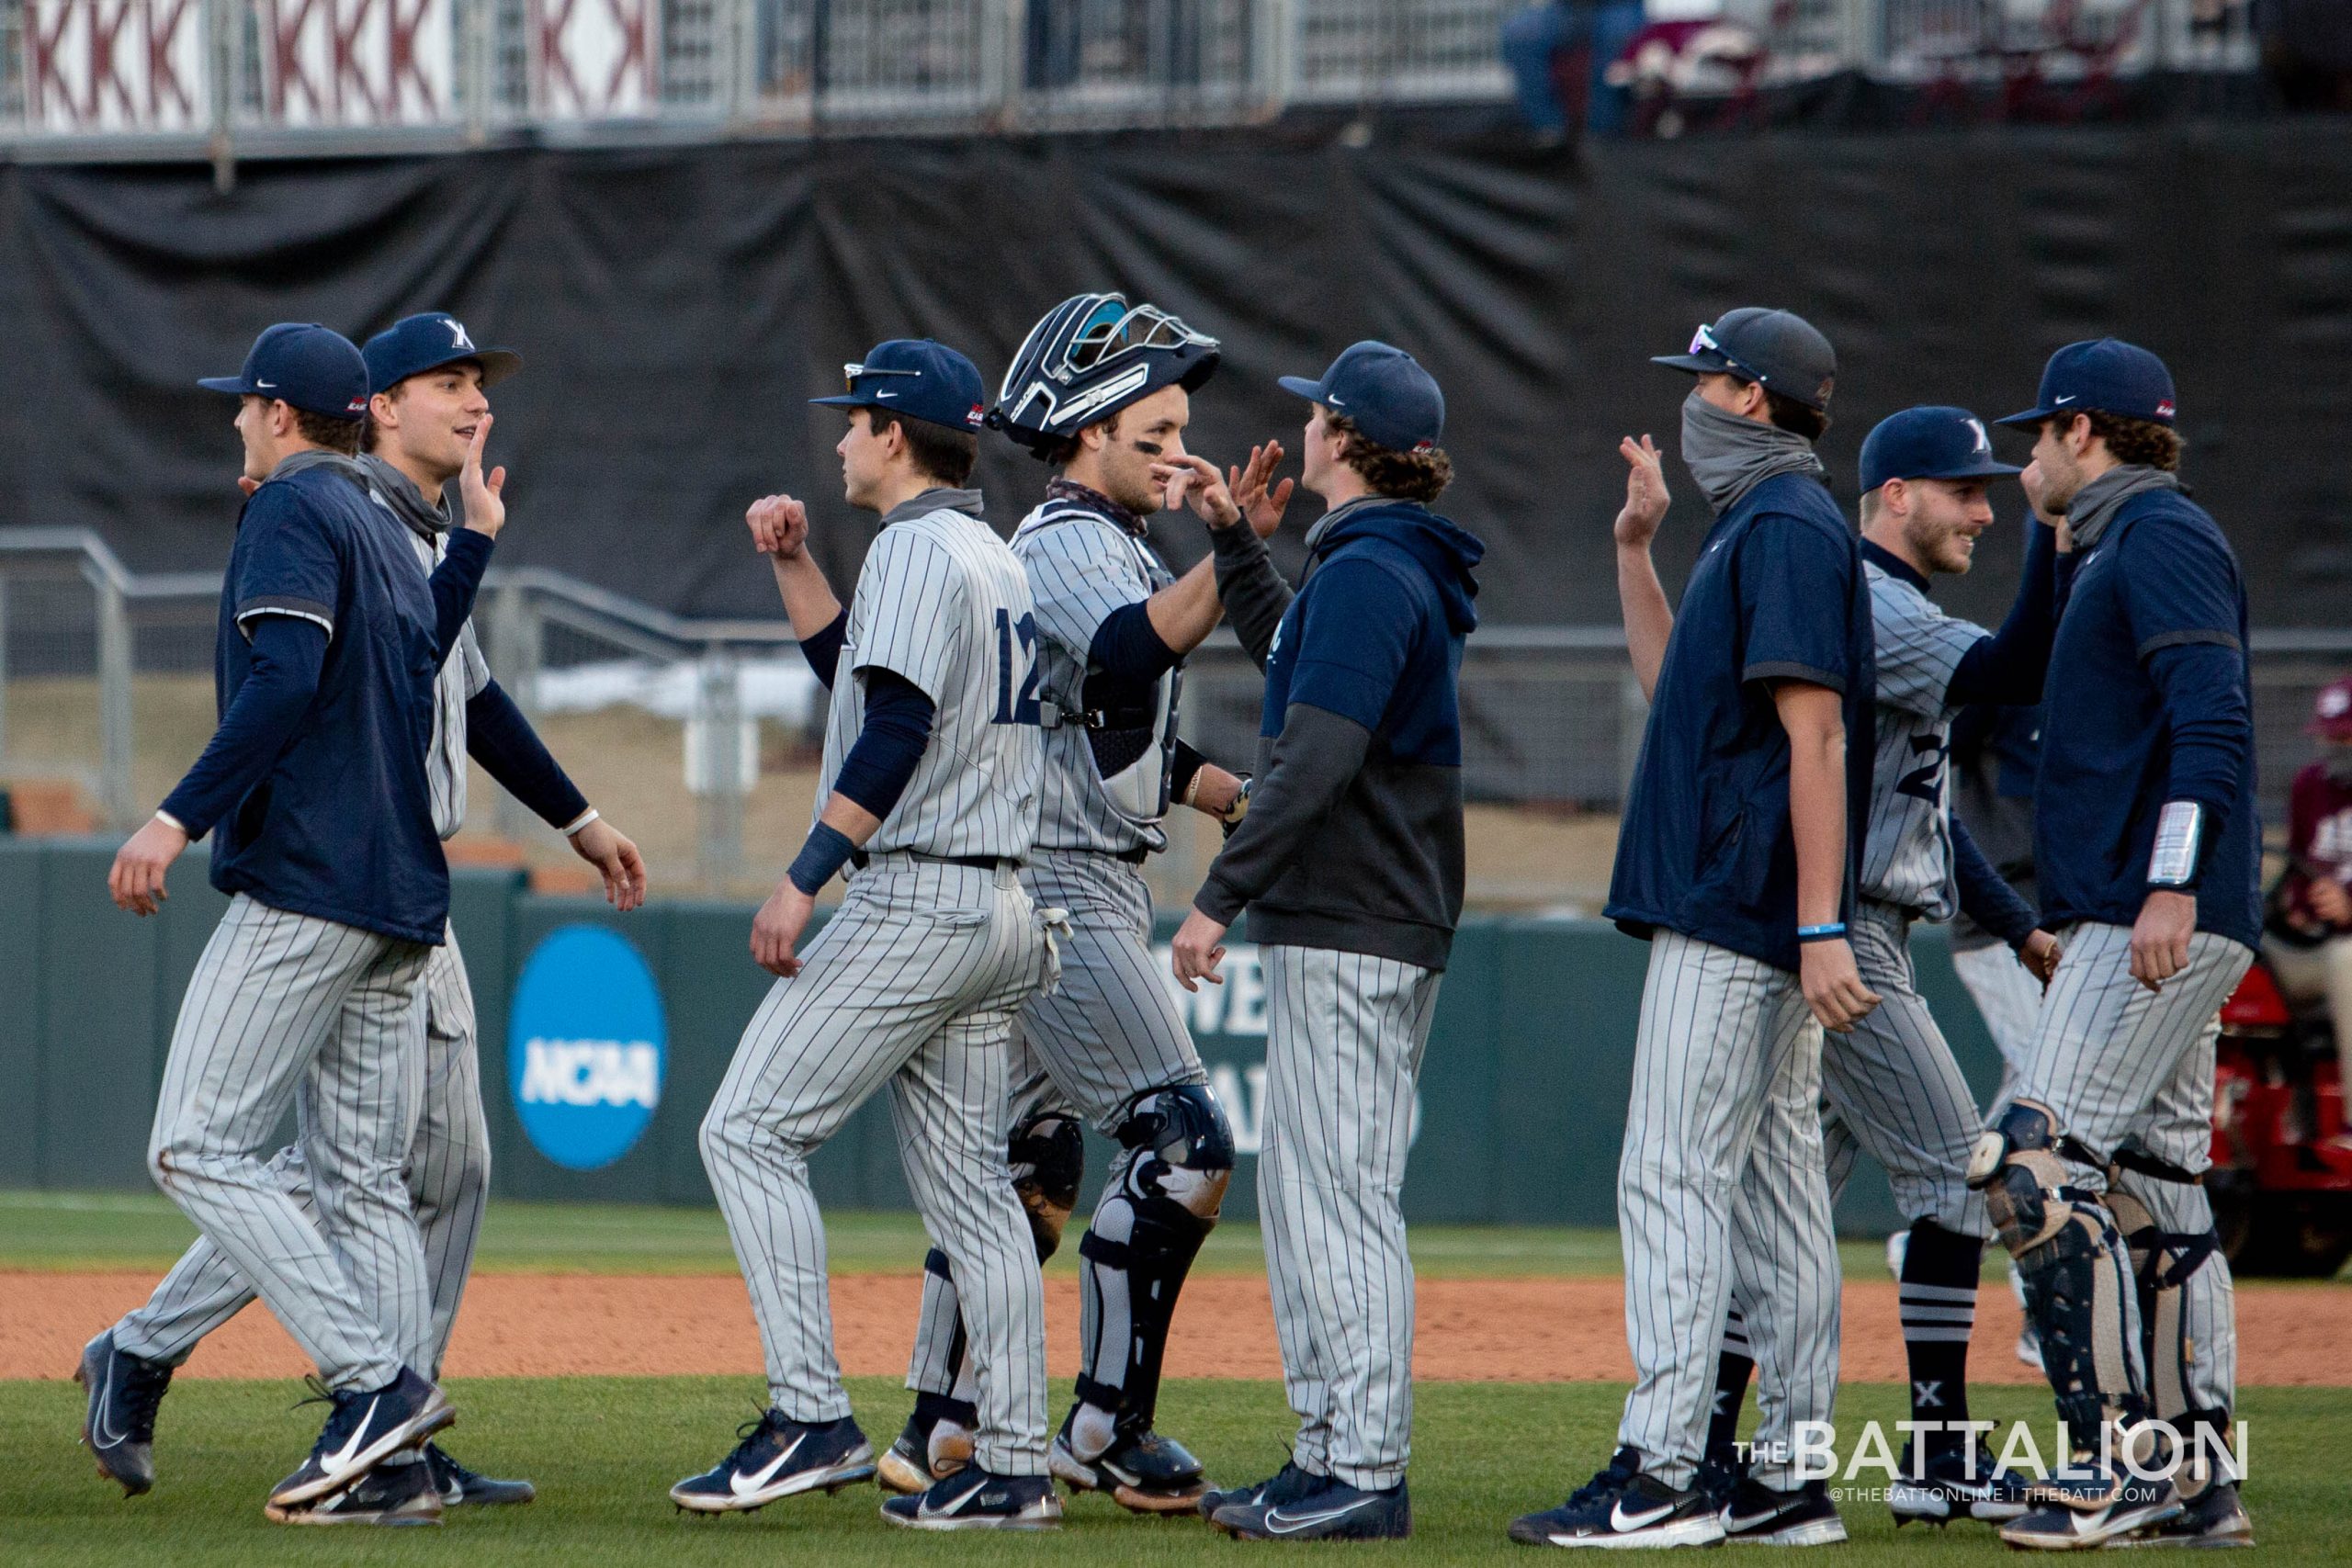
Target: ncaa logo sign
585,1046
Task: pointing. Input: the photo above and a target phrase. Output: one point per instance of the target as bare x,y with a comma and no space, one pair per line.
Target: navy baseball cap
1930,442
1392,400
1779,350
2102,376
414,344
313,368
917,377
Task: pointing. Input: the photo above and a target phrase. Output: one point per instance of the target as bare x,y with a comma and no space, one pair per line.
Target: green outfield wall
1523,1094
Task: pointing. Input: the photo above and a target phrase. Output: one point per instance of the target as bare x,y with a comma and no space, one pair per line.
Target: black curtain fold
677,305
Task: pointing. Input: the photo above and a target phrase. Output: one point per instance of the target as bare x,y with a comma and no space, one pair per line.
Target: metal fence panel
703,737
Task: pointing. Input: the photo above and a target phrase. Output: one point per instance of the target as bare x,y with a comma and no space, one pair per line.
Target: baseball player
1890,1084
2309,938
1736,862
2147,842
1102,390
426,381
1995,751
309,996
1351,866
930,792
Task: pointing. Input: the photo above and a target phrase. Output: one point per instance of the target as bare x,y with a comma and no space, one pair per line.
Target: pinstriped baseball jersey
427,522
1907,859
463,675
942,602
1081,566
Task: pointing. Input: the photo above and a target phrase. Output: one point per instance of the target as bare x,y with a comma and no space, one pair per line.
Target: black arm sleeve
288,653
896,727
510,751
1127,645
2212,730
454,582
1252,592
1984,896
1188,763
2009,666
823,651
1314,759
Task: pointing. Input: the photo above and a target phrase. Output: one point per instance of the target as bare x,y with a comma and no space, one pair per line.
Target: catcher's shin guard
1157,1208
1047,1155
2072,1261
2165,1266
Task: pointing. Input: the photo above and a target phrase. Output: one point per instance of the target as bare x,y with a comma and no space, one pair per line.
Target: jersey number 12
1023,709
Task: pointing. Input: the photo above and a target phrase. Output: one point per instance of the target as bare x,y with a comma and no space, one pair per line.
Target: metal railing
224,78
105,688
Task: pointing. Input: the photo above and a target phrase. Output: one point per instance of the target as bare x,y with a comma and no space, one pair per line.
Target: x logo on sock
1929,1393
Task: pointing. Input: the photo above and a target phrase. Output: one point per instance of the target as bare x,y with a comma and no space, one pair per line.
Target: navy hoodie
1353,840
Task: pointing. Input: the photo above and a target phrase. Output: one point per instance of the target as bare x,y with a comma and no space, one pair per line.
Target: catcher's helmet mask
1089,357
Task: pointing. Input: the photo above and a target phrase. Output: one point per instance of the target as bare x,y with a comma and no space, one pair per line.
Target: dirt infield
1506,1330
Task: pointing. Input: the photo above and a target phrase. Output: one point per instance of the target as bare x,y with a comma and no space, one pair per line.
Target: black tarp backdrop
677,305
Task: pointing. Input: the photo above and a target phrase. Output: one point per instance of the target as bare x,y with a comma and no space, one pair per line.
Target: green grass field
137,1230
603,1450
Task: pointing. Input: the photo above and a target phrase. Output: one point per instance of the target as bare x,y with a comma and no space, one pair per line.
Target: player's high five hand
1194,478
484,498
1262,505
779,527
1646,495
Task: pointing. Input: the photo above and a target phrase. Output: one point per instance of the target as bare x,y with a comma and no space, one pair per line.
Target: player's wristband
827,850
580,821
168,821
1833,931
2179,852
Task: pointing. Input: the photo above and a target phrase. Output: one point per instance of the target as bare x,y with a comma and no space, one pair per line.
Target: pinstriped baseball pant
913,984
1891,1087
1344,1037
1721,1190
2007,996
1111,1030
2114,1060
448,1182
288,1009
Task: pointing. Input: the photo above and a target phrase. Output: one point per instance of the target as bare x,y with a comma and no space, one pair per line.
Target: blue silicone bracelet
1821,933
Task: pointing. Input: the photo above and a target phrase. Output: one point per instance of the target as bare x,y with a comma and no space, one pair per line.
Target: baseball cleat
972,1499
1955,1484
1757,1516
1143,1471
463,1488
2214,1517
2082,1506
387,1495
1286,1485
1622,1507
778,1456
1333,1511
119,1427
365,1426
